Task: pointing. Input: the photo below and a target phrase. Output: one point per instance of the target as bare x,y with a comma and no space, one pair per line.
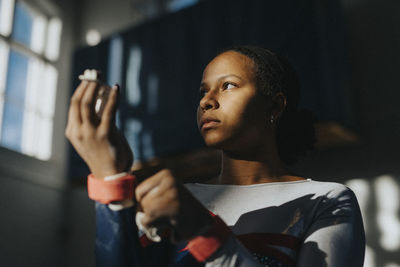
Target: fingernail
116,86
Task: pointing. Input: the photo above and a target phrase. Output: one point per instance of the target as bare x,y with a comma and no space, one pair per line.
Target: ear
278,105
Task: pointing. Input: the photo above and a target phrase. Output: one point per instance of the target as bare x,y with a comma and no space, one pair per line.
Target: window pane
23,24
29,27
38,33
34,85
6,15
48,91
4,50
16,77
14,101
45,133
11,132
53,38
3,66
41,88
29,135
37,135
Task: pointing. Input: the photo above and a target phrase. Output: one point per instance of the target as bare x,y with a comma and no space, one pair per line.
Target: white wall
107,17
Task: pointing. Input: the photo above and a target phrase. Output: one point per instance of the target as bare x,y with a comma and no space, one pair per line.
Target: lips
208,123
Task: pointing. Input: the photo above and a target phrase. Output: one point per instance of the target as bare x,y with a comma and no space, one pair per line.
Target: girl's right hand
98,141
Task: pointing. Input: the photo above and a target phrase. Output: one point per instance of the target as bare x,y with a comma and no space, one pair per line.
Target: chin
211,139
216,141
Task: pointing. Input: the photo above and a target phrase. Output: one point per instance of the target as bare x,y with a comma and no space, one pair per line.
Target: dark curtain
157,111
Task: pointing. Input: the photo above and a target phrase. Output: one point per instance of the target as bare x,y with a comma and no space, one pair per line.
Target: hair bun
295,134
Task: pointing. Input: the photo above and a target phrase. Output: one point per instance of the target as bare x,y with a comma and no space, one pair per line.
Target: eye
228,85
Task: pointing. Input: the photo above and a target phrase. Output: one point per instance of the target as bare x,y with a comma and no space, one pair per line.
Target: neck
254,169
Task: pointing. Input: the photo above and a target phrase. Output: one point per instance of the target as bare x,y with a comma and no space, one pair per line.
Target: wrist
118,187
115,176
101,174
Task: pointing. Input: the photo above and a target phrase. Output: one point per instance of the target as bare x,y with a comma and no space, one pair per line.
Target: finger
110,109
153,220
87,103
160,203
146,186
160,209
73,112
154,230
163,178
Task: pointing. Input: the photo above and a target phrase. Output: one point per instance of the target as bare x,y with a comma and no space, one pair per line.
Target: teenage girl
255,213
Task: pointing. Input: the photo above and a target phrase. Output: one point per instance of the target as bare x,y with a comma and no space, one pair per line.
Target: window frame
18,165
29,52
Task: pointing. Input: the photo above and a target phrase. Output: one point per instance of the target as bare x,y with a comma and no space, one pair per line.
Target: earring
271,120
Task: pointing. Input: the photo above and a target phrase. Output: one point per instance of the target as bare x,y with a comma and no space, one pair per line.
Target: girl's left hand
98,141
167,204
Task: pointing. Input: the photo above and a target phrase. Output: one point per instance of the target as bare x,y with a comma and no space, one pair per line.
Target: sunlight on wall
388,198
115,61
362,190
369,260
152,94
133,129
140,136
132,76
379,199
147,142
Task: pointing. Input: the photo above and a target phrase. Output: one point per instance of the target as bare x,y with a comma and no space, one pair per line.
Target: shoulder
336,199
332,191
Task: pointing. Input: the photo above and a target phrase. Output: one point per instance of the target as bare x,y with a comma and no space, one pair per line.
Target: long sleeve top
301,223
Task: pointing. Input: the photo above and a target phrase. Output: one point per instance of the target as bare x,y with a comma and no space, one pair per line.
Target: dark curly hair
274,74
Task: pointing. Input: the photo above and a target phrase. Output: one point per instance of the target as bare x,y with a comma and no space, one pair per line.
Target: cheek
237,112
245,116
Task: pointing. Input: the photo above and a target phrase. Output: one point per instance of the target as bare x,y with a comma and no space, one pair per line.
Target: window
29,48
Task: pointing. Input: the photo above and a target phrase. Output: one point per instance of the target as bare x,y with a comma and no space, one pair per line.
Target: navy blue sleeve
117,242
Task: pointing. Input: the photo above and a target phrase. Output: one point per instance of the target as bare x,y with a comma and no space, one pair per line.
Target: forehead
229,62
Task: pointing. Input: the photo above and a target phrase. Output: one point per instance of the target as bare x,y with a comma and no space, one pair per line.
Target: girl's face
232,114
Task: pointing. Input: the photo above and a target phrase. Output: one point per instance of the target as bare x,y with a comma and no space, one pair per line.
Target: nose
209,101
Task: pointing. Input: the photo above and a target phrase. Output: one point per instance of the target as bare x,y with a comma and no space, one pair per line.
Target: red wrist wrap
203,246
108,191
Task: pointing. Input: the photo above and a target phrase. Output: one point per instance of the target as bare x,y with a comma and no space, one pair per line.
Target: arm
117,242
106,152
336,238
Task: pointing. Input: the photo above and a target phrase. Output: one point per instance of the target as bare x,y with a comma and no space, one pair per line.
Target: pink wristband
203,246
109,191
